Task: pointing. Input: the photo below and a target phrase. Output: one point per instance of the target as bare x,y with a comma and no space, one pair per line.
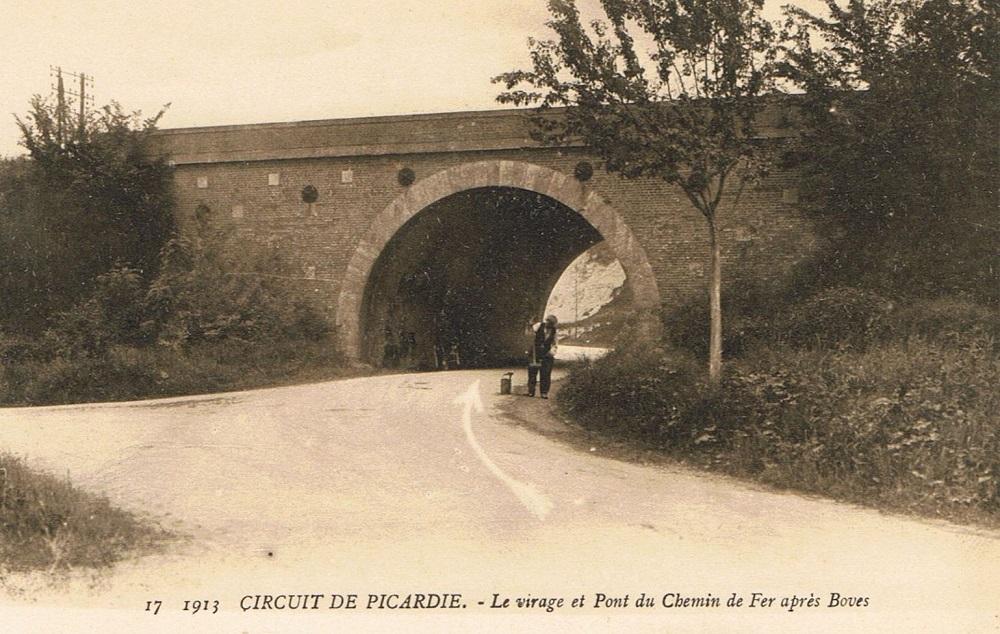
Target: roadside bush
129,372
120,373
950,319
686,327
216,317
212,291
834,317
634,391
111,315
841,316
17,348
908,425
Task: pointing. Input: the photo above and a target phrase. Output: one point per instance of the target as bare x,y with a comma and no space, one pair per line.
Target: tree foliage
207,290
666,89
84,200
900,143
112,314
210,289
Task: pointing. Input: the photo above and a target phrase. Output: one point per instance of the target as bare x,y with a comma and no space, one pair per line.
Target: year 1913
201,605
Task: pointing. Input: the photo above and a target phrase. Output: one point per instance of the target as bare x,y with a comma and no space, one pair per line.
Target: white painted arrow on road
534,501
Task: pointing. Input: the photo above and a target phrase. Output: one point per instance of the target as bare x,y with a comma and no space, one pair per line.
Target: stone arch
563,188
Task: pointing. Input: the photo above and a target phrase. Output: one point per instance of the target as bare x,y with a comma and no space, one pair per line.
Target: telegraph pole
84,98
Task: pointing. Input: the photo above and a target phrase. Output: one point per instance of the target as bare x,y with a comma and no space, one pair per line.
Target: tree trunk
715,308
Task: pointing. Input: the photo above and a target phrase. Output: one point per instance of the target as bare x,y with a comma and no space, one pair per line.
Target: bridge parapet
484,130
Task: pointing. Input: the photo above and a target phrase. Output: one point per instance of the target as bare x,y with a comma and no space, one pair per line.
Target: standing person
543,355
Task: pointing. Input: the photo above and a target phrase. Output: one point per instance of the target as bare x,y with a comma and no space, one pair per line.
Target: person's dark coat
543,344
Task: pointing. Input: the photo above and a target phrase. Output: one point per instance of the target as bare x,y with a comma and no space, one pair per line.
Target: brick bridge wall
251,179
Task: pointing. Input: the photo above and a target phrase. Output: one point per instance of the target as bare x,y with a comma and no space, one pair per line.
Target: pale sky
249,61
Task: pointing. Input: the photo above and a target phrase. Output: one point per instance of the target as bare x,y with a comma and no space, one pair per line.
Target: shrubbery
113,314
838,317
955,320
127,372
205,292
909,424
835,317
210,320
103,299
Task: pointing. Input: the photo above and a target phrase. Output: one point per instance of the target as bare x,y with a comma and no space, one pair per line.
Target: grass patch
126,372
49,524
903,425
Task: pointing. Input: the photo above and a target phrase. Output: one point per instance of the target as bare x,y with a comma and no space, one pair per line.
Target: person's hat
552,320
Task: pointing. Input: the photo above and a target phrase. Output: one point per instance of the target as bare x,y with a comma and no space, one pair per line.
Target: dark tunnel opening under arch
457,283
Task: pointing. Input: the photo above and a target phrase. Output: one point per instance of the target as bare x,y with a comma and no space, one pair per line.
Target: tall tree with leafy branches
86,199
901,117
665,89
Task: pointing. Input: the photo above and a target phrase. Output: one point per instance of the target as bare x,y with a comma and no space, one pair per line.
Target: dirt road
417,484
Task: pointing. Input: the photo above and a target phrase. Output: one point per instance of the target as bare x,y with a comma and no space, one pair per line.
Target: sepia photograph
500,316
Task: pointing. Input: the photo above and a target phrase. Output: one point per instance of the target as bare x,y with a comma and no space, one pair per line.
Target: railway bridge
439,228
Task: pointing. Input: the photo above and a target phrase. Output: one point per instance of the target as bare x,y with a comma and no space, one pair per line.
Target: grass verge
49,524
127,373
903,426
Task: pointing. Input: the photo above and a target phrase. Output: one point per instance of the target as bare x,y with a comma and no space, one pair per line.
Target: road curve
402,483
